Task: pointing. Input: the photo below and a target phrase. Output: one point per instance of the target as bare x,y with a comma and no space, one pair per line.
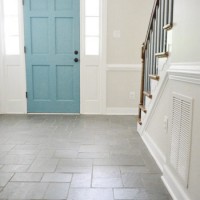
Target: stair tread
139,121
147,94
168,27
162,54
142,107
154,77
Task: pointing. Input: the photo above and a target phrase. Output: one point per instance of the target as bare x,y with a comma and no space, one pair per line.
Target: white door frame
95,105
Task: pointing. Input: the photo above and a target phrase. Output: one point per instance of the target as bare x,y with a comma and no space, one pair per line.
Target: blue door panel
41,90
39,35
64,35
63,4
64,77
38,5
52,32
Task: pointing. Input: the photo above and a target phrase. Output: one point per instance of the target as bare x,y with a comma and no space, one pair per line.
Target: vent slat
181,135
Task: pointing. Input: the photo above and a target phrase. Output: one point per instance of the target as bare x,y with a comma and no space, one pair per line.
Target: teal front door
52,40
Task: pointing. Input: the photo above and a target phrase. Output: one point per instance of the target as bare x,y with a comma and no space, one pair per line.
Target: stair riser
161,62
147,102
154,84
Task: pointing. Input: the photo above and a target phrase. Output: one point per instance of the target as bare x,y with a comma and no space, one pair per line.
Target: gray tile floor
76,158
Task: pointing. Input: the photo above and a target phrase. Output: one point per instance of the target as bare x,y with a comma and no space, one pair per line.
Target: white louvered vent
181,135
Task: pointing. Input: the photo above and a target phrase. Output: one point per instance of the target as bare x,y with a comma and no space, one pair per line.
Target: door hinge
24,49
23,2
27,95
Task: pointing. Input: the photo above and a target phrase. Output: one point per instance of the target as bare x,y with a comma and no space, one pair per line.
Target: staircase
155,54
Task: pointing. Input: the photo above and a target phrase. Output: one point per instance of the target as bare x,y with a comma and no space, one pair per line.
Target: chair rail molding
185,72
121,111
124,67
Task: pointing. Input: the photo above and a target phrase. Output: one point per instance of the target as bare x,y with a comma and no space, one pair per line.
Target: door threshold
53,113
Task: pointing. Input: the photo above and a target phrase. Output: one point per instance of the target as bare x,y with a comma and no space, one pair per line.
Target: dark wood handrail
142,79
156,2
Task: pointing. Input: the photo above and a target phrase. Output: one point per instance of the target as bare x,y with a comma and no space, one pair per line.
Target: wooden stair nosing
162,54
139,122
154,77
143,108
168,27
147,94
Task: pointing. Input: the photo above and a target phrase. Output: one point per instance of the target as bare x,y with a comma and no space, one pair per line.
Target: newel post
142,79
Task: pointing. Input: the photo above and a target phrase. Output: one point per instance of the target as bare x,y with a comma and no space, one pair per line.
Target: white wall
127,25
186,31
119,96
1,62
131,18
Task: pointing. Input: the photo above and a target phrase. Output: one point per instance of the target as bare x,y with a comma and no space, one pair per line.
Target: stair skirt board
152,107
175,189
158,156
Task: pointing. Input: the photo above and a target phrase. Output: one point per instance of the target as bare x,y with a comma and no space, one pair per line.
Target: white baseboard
15,106
177,191
121,111
158,156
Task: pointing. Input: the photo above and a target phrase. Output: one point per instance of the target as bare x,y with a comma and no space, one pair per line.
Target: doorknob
76,60
76,52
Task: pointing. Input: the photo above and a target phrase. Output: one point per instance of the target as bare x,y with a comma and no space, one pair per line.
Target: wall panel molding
124,67
119,87
185,72
121,111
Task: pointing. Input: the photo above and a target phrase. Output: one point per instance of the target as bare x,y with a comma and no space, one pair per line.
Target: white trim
182,78
158,156
104,56
188,69
121,111
96,105
11,105
176,190
124,67
22,54
82,29
1,59
191,66
53,114
188,72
